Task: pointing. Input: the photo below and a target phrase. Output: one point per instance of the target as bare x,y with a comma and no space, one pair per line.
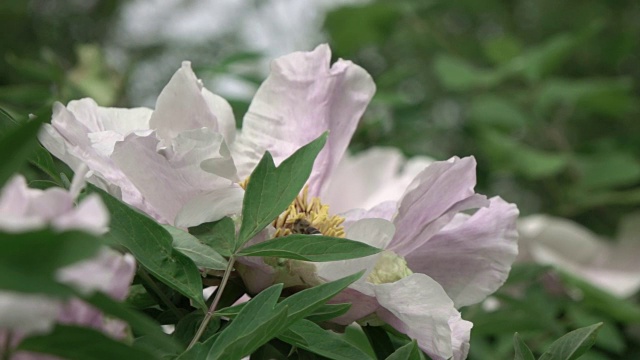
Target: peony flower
172,163
436,258
23,209
611,266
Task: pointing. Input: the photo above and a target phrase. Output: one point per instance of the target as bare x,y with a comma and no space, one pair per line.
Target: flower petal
28,313
419,307
432,199
211,206
374,232
223,111
170,179
302,98
471,258
181,106
90,215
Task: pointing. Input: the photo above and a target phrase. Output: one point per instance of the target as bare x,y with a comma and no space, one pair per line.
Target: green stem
216,299
161,295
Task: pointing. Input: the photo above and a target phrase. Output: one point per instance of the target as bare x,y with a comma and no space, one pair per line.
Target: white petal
223,111
181,106
211,206
302,98
26,312
418,306
472,258
369,178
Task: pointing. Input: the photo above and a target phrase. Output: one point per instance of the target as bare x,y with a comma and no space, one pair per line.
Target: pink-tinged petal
90,215
369,178
27,313
432,199
472,258
211,206
374,232
255,273
109,272
167,184
198,150
302,98
14,197
419,307
50,203
181,106
223,111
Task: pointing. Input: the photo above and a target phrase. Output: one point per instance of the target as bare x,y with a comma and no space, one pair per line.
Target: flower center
389,268
308,216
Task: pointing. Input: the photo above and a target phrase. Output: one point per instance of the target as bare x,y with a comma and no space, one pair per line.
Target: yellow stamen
311,210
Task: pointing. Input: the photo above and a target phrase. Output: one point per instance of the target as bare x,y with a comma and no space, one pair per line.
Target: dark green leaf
16,146
310,248
522,350
309,336
379,340
201,254
328,311
218,235
271,190
77,343
572,345
410,351
187,327
152,246
258,322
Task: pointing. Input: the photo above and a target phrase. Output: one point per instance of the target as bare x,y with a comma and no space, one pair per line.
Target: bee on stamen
302,226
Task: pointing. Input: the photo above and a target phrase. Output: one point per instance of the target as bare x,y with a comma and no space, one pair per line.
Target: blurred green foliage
543,93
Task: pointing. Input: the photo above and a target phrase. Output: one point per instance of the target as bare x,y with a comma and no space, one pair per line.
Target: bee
302,226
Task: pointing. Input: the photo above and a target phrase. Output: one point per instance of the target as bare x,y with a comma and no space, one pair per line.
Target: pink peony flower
23,209
436,258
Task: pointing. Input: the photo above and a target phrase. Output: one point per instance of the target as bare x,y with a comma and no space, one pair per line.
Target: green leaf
258,322
16,146
78,343
303,303
218,235
522,350
187,327
457,74
621,310
379,340
138,322
29,261
152,246
498,112
311,337
271,190
310,248
572,345
328,311
410,351
201,254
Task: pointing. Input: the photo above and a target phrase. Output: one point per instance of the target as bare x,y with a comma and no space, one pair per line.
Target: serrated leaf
201,254
270,190
311,337
572,345
522,350
16,146
152,246
219,235
311,248
410,351
78,343
258,322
